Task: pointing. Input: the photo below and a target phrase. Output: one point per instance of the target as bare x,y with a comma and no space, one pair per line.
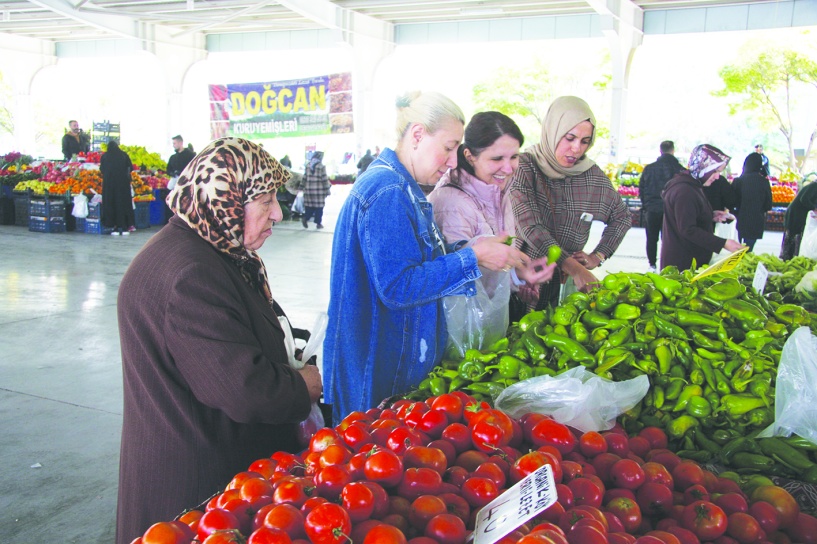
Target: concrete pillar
622,23
368,55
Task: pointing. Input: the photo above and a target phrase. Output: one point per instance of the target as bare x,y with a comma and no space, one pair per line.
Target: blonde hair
430,109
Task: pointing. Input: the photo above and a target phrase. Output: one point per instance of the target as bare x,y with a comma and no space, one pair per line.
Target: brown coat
207,386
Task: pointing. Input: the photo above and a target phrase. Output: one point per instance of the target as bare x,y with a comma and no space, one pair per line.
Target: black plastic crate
94,210
46,224
80,224
47,207
22,203
6,210
142,215
95,226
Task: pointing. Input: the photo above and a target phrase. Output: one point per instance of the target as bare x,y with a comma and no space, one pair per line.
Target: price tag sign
534,493
761,275
724,265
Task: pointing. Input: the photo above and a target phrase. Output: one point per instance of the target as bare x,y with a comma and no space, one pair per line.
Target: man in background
652,182
364,162
765,170
75,141
178,161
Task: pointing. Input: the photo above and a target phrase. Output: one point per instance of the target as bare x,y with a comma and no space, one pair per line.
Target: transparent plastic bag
80,206
808,244
312,424
728,231
795,405
577,398
478,321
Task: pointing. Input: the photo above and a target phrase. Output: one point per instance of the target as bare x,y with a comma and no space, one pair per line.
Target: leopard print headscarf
211,193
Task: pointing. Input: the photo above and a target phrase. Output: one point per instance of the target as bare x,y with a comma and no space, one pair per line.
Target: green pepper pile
784,278
710,349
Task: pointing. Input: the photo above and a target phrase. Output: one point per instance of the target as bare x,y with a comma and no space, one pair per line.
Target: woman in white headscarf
557,192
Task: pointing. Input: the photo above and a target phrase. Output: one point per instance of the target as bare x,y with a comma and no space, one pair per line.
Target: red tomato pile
418,472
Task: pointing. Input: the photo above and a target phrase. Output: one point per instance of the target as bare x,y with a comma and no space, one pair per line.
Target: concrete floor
60,372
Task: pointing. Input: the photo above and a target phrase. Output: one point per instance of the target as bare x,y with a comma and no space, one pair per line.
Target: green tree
771,82
6,99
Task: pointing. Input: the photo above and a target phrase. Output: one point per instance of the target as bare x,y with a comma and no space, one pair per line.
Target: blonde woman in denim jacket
391,267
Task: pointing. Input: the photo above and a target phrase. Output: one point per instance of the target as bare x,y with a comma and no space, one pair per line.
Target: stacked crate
47,214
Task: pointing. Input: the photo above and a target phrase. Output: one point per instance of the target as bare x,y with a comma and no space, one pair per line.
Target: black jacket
72,146
177,162
721,195
653,180
754,200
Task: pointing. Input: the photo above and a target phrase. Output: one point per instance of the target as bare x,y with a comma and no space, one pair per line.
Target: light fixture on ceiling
190,6
481,11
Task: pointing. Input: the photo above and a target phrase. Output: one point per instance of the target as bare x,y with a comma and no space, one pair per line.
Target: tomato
401,438
595,513
456,505
586,535
286,518
705,519
585,492
243,511
664,457
592,443
611,494
479,491
655,436
590,522
602,463
214,520
329,481
766,515
323,438
470,460
398,505
384,467
627,511
617,443
472,408
564,495
787,508
451,404
552,513
423,509
685,536
446,529
423,457
658,473
353,417
311,503
225,536
532,461
459,435
384,534
569,518
455,475
356,435
167,532
448,449
491,471
265,535
696,492
731,503
433,423
191,518
548,432
419,481
381,499
571,470
328,523
292,492
649,539
627,474
686,474
358,500
725,485
743,528
665,537
804,529
639,446
654,499
614,524
265,467
620,538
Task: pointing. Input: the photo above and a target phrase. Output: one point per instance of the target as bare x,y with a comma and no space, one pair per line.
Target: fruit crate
94,210
6,210
22,202
159,212
95,226
142,215
80,224
47,207
46,224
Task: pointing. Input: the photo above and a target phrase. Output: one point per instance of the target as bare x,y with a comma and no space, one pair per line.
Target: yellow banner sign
724,265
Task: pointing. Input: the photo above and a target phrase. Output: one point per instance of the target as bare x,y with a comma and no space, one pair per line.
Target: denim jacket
390,270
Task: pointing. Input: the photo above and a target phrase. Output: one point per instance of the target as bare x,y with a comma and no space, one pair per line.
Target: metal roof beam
351,23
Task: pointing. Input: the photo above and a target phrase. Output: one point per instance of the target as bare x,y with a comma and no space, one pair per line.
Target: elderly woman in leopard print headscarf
207,384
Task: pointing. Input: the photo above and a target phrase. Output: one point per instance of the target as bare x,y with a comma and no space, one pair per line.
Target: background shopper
117,198
653,179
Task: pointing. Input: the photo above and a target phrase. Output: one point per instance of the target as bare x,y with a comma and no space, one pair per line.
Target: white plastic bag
298,205
808,244
728,231
171,183
478,321
795,403
80,206
577,398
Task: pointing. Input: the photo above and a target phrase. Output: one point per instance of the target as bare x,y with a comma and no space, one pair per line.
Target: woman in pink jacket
473,200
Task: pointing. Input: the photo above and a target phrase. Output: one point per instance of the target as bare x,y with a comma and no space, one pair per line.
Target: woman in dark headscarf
687,231
557,192
754,196
316,189
208,386
117,201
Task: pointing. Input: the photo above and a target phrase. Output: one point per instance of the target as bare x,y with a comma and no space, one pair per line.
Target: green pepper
699,456
752,461
471,370
579,333
746,313
704,341
534,345
579,300
543,371
565,315
599,335
645,366
476,355
659,397
739,350
676,385
561,330
644,330
791,314
709,372
636,295
721,437
486,388
605,300
730,366
530,320
615,282
636,347
698,407
593,319
722,383
713,397
664,356
704,442
499,346
509,366
677,371
425,385
669,329
742,377
666,286
760,417
687,393
575,351
525,372
679,426
696,376
736,445
554,252
618,337
739,404
611,360
800,443
696,304
456,383
627,312
438,386
726,289
778,330
710,355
